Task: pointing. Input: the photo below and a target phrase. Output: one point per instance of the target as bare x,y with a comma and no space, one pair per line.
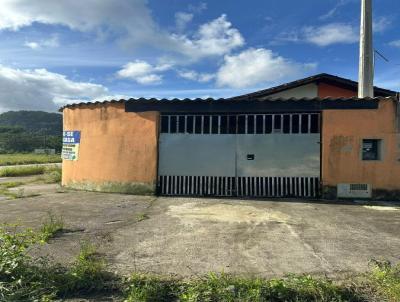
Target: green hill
24,131
37,122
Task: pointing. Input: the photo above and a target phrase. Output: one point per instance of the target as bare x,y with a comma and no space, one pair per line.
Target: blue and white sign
71,141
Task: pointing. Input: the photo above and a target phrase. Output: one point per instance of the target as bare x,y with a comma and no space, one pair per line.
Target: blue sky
57,52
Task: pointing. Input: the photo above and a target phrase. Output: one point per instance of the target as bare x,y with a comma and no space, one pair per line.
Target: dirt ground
193,236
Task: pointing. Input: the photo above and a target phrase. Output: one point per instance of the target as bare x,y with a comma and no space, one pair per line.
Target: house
310,138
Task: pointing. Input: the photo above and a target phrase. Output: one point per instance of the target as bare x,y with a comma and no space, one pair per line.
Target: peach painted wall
326,90
116,146
343,131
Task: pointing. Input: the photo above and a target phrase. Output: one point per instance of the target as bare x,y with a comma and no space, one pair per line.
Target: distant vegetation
24,131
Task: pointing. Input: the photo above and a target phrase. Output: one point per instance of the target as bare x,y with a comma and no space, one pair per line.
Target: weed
52,226
222,287
143,288
23,278
19,279
87,273
141,217
386,279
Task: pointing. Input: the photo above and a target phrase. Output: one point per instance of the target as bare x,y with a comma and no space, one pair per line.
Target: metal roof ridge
228,100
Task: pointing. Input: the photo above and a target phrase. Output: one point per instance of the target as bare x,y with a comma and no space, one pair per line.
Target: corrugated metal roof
221,100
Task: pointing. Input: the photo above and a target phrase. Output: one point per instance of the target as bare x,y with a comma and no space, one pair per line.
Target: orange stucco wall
116,146
326,90
343,131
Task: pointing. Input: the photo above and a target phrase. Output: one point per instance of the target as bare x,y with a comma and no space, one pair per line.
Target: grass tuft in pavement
52,226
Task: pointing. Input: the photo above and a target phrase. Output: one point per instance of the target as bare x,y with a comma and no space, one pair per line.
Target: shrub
52,175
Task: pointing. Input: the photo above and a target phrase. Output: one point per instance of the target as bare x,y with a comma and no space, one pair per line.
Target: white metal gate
255,155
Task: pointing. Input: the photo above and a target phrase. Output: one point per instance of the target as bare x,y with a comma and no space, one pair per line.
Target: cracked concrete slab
193,236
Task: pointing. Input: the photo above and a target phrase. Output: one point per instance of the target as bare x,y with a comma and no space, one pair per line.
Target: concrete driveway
190,236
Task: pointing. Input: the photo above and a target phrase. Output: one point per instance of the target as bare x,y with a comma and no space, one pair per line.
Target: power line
383,57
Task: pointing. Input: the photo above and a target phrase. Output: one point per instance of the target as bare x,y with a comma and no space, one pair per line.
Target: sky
57,52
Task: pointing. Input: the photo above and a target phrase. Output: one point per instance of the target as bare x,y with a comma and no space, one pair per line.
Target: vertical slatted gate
204,155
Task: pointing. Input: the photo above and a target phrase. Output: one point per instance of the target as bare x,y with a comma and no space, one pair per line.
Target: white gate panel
278,155
197,155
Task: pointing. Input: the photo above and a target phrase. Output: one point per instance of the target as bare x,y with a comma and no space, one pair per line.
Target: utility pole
366,67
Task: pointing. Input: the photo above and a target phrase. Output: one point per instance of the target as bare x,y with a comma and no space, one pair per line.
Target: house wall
326,90
342,135
118,149
305,91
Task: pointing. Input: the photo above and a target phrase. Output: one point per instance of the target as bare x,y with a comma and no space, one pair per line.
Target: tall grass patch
22,171
29,158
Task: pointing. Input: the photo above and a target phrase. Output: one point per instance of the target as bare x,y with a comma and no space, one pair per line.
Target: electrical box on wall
354,191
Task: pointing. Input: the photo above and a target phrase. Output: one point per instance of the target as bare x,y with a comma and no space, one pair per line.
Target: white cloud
143,72
257,66
395,43
39,89
196,76
198,8
182,19
381,24
334,33
334,10
217,37
33,45
46,43
128,21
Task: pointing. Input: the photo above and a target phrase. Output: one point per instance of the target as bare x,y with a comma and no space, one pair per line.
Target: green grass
29,158
23,278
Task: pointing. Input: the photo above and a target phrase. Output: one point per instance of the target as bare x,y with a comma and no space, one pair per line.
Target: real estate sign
71,141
